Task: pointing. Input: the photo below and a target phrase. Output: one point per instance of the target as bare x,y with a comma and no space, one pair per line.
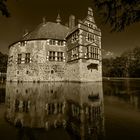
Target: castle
56,52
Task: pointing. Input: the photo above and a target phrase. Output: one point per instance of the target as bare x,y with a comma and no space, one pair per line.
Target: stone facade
54,52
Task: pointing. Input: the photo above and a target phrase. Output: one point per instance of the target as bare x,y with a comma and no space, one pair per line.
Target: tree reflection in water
38,109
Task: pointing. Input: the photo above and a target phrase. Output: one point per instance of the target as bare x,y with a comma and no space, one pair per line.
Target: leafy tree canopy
127,65
118,13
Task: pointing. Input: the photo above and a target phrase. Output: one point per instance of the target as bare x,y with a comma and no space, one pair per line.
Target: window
56,56
52,56
90,25
75,53
19,58
59,56
27,58
10,59
52,42
60,43
52,71
92,52
90,37
75,37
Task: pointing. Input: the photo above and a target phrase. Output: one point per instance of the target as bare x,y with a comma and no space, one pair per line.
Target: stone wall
90,74
39,68
72,71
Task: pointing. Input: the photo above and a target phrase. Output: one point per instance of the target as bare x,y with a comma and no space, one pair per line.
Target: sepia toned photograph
69,69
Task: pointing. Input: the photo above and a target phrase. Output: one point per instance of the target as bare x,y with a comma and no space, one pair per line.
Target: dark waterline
119,118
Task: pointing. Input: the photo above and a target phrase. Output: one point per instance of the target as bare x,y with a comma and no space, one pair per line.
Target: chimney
44,20
71,21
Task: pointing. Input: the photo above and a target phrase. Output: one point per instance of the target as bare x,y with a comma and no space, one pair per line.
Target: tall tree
118,13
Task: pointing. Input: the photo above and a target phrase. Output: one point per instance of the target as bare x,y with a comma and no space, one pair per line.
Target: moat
67,111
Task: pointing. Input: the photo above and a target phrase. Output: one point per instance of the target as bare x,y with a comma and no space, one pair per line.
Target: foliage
3,8
127,65
119,13
3,62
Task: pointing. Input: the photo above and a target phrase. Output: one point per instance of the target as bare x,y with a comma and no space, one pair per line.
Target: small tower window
19,58
27,58
10,59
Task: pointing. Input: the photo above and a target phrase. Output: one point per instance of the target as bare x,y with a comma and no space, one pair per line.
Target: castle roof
48,30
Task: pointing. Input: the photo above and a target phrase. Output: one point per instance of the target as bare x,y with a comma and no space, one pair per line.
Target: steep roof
48,30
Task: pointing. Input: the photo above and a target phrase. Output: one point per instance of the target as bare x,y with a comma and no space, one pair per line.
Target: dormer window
23,43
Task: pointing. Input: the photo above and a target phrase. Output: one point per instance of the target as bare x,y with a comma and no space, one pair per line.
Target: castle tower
84,50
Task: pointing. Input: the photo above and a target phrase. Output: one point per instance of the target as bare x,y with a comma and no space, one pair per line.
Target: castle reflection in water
75,107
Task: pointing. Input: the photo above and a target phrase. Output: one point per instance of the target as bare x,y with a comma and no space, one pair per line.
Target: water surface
46,110
68,111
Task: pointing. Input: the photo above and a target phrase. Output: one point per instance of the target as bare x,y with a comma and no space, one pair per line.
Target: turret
58,19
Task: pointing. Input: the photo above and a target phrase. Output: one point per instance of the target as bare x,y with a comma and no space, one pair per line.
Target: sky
27,14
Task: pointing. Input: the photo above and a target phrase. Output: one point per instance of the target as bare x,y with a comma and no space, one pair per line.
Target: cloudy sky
27,14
